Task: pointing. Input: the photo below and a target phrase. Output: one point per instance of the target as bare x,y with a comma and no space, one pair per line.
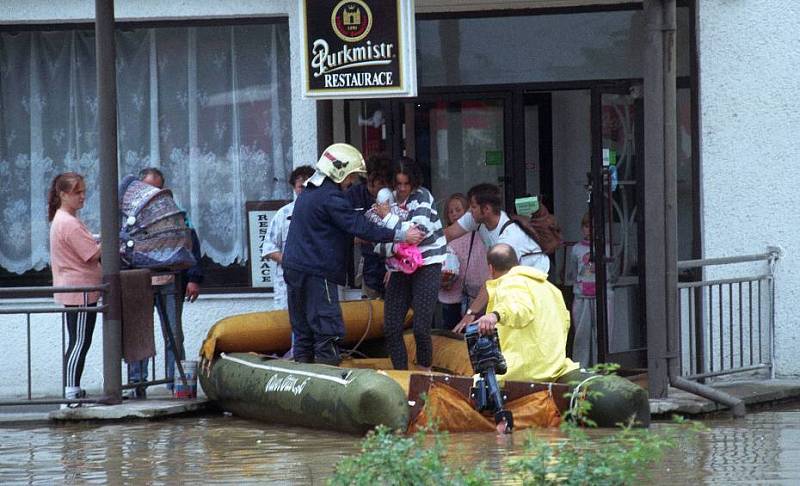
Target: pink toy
407,258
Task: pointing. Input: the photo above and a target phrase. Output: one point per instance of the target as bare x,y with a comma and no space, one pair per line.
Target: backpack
542,227
153,230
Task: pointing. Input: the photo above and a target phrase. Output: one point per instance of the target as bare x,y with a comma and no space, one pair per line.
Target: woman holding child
418,290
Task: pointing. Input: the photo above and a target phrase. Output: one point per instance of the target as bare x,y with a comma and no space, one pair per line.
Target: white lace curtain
209,106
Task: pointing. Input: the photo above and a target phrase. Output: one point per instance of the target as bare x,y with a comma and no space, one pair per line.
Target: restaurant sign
358,48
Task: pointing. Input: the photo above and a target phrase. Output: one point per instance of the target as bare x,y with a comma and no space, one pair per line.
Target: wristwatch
469,313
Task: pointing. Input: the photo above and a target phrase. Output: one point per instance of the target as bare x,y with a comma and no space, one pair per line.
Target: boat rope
366,331
576,393
340,380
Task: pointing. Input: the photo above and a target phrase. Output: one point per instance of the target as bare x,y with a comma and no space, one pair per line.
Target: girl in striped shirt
418,290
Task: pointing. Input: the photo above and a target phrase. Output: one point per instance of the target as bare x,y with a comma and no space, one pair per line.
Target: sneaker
73,393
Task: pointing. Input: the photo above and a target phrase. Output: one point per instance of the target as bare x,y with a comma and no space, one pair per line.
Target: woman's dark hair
304,171
410,168
379,166
65,182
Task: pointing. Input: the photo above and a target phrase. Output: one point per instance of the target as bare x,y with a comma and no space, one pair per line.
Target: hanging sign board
259,214
358,48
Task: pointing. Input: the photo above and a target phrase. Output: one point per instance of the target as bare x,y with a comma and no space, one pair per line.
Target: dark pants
168,302
451,315
80,327
420,291
316,317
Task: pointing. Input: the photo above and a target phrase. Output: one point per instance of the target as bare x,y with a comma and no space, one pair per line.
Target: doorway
581,150
578,149
617,223
459,139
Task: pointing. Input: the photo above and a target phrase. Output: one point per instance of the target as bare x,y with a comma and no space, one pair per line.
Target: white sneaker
73,393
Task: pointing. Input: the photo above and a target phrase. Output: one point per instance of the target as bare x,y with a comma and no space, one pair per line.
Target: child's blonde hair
454,197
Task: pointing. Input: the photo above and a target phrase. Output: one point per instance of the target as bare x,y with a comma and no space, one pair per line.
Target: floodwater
762,448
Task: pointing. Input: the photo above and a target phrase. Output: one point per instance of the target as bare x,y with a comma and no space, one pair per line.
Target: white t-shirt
275,241
528,251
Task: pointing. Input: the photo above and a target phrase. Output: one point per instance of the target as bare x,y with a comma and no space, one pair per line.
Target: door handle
610,213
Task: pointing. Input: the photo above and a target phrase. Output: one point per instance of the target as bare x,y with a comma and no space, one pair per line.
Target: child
385,196
457,291
581,271
397,213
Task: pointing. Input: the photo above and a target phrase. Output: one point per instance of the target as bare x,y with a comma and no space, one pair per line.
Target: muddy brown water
762,448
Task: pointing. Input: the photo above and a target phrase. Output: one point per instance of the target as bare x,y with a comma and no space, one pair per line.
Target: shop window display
208,105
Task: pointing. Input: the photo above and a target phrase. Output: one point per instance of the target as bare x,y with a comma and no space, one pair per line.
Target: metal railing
28,311
727,324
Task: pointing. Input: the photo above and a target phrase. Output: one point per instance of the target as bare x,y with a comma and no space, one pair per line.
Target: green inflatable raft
316,396
239,375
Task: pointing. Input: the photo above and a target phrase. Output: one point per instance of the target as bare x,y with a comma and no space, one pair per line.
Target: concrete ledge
752,392
20,418
131,409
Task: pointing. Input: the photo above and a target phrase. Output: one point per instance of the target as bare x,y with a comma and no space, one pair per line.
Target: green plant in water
616,459
620,458
577,459
388,458
605,368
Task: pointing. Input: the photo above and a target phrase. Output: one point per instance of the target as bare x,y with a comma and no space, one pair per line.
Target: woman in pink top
472,272
75,261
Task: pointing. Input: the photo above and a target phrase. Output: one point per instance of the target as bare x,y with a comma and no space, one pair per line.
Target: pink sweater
74,258
476,274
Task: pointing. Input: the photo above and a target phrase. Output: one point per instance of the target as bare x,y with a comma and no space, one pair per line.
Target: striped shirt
421,213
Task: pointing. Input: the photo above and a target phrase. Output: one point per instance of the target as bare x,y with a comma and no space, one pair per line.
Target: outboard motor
488,361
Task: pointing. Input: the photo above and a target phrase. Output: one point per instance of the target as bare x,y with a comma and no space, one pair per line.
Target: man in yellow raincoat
531,318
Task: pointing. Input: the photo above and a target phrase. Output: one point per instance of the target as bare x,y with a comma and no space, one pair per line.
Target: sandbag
617,399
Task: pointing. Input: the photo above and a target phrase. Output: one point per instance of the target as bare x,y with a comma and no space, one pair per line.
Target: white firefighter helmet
340,160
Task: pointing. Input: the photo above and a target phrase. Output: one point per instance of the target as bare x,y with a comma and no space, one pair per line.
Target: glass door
460,140
617,153
367,125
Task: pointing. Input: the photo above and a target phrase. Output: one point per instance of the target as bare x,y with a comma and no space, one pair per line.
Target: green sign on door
494,157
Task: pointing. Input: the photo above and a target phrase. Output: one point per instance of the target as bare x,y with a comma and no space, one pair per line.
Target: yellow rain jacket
533,326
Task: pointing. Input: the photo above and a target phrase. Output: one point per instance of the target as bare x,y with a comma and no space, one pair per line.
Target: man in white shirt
277,231
493,225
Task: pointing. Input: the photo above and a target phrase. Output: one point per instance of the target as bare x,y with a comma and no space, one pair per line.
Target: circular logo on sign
351,20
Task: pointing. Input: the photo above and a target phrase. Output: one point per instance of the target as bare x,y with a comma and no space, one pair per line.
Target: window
539,48
208,105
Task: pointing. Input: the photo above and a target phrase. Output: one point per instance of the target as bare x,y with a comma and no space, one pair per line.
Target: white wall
198,317
46,337
750,144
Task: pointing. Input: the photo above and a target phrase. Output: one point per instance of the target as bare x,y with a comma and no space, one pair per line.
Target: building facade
544,97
